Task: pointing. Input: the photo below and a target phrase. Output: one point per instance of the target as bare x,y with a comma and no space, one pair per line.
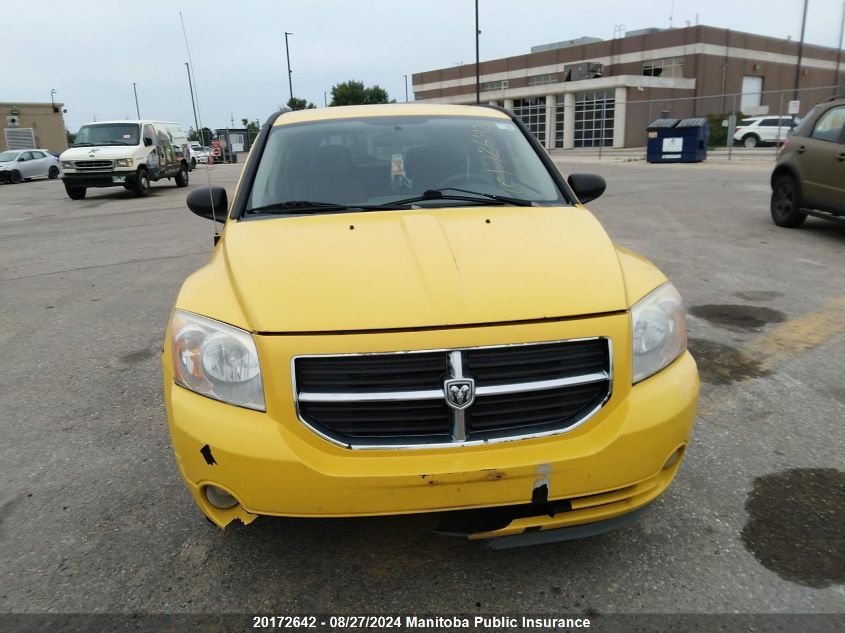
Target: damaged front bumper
613,465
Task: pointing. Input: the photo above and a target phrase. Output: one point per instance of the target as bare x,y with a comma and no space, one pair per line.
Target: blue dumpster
677,141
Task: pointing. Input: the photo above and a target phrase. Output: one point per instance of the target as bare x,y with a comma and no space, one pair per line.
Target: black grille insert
397,399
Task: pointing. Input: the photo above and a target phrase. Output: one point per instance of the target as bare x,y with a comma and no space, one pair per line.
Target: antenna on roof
196,96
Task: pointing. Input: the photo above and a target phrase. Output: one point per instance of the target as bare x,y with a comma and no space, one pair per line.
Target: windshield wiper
307,206
486,198
80,144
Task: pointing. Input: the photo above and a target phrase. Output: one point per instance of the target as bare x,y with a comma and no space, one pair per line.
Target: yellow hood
433,267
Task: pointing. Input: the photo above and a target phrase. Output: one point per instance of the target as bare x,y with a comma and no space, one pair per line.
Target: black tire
15,177
182,177
75,193
53,172
786,202
193,164
750,140
142,184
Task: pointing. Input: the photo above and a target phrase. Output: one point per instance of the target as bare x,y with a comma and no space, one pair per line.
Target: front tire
75,193
182,176
786,202
750,140
15,177
142,184
53,173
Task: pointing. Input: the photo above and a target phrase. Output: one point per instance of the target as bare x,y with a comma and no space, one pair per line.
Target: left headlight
216,360
659,331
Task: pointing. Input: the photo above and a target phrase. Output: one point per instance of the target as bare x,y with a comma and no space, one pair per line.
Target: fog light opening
219,498
673,458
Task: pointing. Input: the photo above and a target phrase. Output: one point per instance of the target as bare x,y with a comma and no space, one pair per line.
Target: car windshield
107,134
381,160
8,156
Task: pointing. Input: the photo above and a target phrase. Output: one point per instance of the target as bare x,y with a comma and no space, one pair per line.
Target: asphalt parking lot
94,518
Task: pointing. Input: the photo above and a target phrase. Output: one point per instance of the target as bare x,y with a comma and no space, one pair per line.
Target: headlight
124,162
659,331
67,164
216,360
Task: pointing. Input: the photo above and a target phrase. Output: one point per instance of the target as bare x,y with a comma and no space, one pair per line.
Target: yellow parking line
792,338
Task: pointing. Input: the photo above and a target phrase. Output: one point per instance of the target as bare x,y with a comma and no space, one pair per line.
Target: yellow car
409,310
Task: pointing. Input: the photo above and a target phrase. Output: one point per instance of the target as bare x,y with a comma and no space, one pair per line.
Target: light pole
325,101
53,101
406,88
837,82
137,109
477,64
290,72
193,104
800,53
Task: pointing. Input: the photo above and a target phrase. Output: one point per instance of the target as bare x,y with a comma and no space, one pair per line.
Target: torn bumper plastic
608,467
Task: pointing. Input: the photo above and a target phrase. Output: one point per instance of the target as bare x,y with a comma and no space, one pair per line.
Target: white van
128,154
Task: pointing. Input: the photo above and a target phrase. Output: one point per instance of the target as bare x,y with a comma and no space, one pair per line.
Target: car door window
830,124
769,122
37,155
25,156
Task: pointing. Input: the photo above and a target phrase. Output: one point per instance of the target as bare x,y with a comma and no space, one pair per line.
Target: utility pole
53,101
840,85
193,103
406,88
477,63
137,109
800,53
325,100
290,72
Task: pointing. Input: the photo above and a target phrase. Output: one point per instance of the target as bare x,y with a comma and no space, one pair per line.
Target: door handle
801,149
840,157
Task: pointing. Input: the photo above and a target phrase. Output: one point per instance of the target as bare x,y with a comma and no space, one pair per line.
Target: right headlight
659,331
216,360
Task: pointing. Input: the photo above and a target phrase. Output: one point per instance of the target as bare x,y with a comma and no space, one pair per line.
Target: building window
594,113
539,80
494,85
667,67
532,112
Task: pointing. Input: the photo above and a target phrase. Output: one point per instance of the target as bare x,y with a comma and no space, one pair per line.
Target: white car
22,164
761,130
201,154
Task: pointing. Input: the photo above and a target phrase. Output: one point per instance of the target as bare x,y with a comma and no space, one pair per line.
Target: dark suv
809,178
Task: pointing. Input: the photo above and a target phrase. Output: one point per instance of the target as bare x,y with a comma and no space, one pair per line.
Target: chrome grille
399,399
93,165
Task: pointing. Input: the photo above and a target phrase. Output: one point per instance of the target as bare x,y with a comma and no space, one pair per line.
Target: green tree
251,127
354,92
295,103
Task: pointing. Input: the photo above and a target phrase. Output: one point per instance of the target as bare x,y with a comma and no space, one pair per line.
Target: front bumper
610,466
100,179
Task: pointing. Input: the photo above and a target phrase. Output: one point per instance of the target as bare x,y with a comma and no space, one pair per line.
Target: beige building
26,125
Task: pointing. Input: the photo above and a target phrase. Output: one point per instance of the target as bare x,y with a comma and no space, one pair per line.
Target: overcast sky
92,51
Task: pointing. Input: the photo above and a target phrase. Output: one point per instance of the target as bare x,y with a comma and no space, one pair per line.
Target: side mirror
587,186
201,201
148,141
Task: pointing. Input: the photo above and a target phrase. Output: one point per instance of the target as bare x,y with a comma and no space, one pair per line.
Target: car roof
387,109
